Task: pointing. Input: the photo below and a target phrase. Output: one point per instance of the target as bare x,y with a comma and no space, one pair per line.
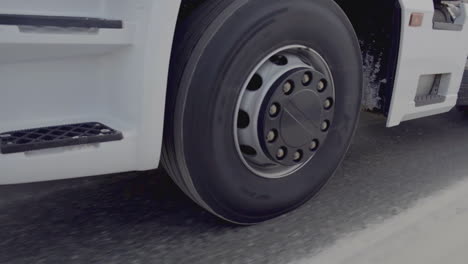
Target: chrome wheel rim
284,111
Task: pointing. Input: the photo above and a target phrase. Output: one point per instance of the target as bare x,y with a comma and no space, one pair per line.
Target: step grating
56,136
429,100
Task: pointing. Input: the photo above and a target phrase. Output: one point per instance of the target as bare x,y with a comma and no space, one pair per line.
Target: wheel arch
377,26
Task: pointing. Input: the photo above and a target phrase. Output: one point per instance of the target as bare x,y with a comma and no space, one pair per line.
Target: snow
372,65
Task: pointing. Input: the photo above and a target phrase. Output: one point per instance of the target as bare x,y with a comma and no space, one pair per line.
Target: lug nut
297,156
287,87
306,78
281,153
274,110
314,145
271,136
321,85
328,104
325,125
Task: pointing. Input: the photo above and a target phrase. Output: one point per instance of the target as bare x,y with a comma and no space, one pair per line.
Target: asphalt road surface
390,180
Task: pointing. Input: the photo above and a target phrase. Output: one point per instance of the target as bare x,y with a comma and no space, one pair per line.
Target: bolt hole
274,110
255,83
281,153
243,120
328,104
248,150
279,60
298,156
322,85
288,87
272,136
307,78
314,145
325,125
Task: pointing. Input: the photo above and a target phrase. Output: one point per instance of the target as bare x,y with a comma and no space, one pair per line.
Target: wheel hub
289,104
299,116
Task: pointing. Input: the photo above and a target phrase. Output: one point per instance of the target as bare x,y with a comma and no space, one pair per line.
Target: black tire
215,50
462,104
463,109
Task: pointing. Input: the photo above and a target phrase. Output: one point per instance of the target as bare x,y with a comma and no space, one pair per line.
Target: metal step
56,136
429,99
59,21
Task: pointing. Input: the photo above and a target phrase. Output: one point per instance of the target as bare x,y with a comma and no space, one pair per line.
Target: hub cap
284,112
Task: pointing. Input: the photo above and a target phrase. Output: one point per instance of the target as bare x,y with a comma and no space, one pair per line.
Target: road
391,180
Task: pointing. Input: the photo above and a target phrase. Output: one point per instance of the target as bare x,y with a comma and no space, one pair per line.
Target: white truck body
426,51
52,76
114,76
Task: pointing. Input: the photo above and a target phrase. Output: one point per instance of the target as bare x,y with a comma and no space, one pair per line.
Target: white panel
426,51
91,8
114,76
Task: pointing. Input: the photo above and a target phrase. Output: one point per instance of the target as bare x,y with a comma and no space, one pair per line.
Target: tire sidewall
238,39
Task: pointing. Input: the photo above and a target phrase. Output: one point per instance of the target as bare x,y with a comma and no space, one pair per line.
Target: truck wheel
263,101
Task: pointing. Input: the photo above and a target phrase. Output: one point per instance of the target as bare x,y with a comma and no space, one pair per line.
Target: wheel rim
284,112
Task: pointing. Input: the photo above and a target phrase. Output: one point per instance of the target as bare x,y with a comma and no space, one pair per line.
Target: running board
59,21
56,136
